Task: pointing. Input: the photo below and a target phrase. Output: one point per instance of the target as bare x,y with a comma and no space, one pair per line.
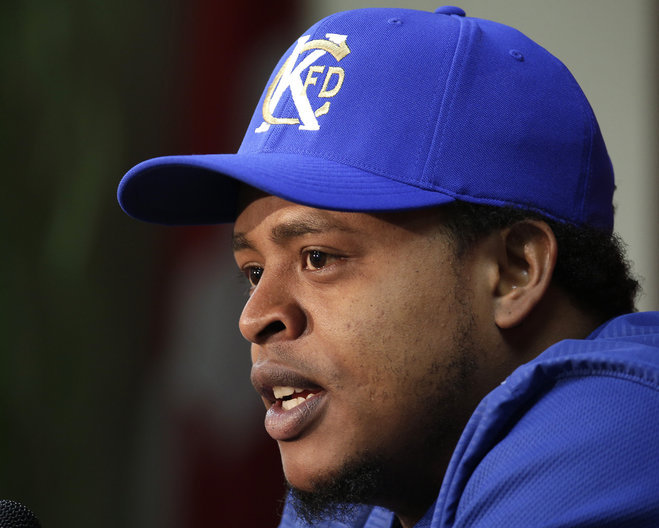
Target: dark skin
367,317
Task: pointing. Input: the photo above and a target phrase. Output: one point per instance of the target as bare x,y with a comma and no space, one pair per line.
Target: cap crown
465,107
392,109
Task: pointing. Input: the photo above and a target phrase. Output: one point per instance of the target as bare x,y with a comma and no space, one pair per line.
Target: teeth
282,392
287,405
290,403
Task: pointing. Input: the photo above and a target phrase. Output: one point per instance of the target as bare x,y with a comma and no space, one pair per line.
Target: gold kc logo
289,77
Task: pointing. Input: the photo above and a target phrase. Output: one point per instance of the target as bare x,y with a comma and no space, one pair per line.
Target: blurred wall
78,101
110,412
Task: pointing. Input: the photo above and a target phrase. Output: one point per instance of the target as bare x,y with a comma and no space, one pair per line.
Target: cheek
390,334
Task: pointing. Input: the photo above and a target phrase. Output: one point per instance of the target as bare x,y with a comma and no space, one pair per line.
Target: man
440,317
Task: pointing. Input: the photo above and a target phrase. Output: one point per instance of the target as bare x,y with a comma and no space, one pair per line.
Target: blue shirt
570,439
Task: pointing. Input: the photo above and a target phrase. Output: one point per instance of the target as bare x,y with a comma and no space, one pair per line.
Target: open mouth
291,397
294,403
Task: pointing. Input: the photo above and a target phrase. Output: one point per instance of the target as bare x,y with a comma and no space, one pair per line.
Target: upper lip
266,375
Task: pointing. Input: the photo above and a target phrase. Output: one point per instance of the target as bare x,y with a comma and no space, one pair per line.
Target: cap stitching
587,172
450,93
426,178
587,150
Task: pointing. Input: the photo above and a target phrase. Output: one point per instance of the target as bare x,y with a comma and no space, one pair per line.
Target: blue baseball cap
393,109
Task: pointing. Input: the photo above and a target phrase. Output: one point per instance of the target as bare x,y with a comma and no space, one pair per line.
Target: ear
526,265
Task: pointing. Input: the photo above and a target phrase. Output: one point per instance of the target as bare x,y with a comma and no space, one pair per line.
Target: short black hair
591,266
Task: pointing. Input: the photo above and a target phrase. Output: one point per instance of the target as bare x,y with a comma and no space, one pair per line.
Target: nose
272,312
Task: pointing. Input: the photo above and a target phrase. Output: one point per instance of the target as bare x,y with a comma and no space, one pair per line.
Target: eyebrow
281,233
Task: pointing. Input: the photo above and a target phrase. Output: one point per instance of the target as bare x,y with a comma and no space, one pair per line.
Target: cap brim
202,189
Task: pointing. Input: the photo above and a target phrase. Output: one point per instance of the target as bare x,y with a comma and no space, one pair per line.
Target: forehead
280,220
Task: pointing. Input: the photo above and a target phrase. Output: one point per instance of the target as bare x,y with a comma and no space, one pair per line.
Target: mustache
274,371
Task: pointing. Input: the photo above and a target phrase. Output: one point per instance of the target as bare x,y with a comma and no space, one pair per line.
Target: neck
554,319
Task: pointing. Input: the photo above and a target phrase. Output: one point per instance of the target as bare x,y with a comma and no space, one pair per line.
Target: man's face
362,337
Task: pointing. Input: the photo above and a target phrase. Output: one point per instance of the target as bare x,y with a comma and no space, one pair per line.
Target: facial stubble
364,478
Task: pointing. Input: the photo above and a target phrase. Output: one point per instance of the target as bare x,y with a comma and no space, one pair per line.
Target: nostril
272,329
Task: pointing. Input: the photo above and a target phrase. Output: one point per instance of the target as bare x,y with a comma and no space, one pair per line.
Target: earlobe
526,266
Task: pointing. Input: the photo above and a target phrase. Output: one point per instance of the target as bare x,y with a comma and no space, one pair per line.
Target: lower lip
289,425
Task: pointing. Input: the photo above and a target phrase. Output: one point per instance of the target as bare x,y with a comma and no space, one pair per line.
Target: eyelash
254,273
309,254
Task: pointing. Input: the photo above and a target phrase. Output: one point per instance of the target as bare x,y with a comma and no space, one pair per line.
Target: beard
339,496
367,478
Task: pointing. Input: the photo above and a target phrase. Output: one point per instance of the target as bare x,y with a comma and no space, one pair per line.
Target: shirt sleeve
584,453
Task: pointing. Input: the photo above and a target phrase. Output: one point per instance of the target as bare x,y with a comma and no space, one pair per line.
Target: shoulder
569,438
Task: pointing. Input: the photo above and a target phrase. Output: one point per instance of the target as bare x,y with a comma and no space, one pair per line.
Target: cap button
450,10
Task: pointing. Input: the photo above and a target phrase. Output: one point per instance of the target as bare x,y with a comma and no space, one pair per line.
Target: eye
253,274
315,259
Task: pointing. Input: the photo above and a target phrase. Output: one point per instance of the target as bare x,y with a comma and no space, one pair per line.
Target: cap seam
430,151
437,142
587,172
586,157
344,161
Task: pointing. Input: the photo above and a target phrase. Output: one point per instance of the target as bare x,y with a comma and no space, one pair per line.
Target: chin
306,462
337,492
303,473
355,479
